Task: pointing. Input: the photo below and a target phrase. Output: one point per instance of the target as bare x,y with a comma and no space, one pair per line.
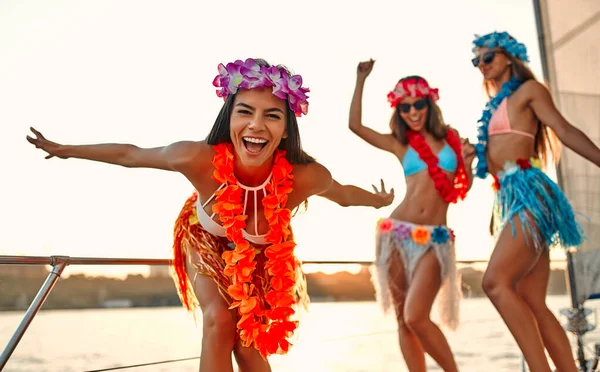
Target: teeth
255,140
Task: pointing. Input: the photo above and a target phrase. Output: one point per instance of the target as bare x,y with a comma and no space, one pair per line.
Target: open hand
40,142
468,151
386,198
365,68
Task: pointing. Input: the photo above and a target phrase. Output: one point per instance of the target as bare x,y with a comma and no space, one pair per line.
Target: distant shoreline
137,291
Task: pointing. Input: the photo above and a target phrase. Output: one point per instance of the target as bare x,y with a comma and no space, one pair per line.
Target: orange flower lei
264,323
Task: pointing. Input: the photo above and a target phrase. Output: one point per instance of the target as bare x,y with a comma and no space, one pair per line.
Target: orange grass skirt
191,238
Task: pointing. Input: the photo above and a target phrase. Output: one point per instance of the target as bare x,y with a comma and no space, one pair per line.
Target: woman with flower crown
517,134
234,248
415,256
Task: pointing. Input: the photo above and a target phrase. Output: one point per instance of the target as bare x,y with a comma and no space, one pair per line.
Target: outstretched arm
317,180
178,156
541,103
350,195
385,142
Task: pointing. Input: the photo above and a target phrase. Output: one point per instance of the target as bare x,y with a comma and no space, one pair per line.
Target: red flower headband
412,87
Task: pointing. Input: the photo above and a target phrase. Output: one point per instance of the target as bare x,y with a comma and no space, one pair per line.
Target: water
338,337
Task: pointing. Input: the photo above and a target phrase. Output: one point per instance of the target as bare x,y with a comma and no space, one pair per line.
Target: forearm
355,196
112,153
577,141
355,119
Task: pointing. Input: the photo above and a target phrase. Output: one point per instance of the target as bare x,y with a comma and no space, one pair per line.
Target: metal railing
59,263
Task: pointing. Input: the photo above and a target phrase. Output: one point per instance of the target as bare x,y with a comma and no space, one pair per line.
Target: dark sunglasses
487,58
419,105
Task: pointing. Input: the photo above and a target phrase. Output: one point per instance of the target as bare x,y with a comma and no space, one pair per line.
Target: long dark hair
434,125
292,144
546,141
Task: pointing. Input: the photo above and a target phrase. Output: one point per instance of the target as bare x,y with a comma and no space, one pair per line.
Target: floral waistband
420,234
512,167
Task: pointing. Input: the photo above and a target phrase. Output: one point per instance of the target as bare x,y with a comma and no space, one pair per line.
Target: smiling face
257,125
414,111
492,63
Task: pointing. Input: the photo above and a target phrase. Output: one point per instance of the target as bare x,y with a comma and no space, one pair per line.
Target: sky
139,71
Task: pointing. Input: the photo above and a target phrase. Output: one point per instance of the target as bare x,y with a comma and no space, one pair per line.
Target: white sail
570,44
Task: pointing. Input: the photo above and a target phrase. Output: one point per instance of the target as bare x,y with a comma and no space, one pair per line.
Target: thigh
424,286
205,288
513,257
534,286
397,282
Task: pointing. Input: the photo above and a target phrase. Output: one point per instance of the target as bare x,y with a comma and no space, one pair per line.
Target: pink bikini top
499,123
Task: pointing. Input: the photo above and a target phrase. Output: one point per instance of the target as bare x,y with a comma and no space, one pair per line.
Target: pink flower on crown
281,85
268,75
248,75
250,71
412,88
291,87
229,78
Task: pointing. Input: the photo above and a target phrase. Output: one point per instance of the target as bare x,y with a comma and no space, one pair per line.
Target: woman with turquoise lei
517,134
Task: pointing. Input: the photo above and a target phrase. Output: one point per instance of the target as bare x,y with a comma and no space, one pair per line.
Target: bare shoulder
534,89
312,178
190,155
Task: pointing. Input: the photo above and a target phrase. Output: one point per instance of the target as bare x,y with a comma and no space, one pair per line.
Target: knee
404,330
244,355
416,321
493,285
218,325
490,284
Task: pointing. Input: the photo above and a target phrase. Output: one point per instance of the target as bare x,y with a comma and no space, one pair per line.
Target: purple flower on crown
402,232
249,75
291,87
268,76
250,72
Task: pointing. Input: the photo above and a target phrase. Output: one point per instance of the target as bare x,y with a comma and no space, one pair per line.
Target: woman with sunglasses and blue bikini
531,214
415,257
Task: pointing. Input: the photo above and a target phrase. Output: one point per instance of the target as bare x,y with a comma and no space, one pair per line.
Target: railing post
59,263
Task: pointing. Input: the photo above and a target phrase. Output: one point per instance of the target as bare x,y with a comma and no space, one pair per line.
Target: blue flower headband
502,40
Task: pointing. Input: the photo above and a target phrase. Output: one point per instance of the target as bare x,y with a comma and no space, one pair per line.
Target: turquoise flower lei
481,169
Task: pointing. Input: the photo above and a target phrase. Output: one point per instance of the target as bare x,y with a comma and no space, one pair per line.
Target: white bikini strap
211,198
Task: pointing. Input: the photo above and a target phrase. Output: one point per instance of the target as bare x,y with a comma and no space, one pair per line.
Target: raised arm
385,142
541,103
179,156
318,181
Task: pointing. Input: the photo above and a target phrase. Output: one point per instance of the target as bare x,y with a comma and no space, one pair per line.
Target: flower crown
249,75
502,40
412,87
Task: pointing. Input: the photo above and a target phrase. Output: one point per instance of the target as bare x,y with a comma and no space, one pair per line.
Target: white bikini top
210,225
